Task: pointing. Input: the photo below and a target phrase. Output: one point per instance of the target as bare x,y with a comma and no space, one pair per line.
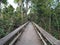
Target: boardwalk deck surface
29,37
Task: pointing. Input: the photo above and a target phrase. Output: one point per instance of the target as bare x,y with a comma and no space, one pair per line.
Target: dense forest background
46,13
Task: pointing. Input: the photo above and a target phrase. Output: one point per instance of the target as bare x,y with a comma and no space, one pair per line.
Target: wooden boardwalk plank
29,37
48,36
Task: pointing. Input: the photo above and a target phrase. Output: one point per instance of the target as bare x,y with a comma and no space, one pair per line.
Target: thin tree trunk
57,22
22,12
1,16
21,7
0,8
26,9
50,23
44,24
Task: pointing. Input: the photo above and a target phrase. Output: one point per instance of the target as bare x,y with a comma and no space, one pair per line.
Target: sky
15,5
12,3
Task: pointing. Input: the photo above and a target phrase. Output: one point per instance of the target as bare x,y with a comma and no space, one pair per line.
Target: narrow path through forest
29,37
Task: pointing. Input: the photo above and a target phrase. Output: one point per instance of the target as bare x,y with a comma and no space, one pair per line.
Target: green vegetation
10,19
46,13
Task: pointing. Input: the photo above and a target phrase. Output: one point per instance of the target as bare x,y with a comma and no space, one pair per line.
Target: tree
4,2
20,4
48,14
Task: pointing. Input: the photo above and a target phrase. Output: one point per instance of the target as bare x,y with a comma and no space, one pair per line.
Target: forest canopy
46,13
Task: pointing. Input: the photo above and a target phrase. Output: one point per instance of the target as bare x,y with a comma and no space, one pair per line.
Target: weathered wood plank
10,35
42,38
15,39
48,36
29,37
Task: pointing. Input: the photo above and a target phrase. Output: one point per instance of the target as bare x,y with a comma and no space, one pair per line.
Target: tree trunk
50,23
0,11
26,10
0,8
57,22
21,7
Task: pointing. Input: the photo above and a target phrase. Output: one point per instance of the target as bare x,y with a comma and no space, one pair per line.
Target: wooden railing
52,40
5,40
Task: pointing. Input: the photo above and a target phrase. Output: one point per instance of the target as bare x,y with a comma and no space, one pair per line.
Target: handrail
48,36
41,37
10,35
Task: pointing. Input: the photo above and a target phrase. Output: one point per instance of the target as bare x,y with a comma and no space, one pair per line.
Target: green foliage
4,1
42,13
1,32
47,17
10,20
16,1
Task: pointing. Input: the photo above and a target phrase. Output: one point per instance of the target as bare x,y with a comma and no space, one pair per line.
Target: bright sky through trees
12,3
15,5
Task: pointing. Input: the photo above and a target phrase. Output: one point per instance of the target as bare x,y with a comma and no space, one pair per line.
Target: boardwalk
29,37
